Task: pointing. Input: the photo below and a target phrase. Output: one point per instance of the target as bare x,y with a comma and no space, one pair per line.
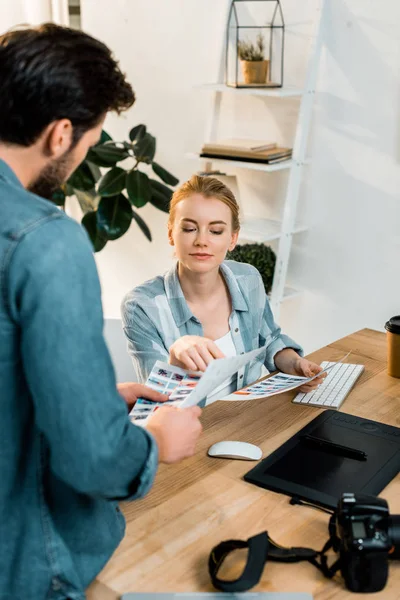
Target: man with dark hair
68,451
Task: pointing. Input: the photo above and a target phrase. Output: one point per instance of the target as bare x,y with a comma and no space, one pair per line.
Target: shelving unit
266,230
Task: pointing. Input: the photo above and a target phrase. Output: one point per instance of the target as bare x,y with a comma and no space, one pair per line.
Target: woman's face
202,233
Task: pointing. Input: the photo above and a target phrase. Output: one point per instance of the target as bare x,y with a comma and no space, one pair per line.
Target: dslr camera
366,537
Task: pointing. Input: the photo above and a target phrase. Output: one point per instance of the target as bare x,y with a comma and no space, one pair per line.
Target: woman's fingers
205,353
214,350
194,356
187,361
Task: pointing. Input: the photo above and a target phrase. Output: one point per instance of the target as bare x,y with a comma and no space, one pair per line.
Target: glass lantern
255,44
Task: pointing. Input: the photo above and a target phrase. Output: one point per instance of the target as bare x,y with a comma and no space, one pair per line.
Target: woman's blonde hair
209,187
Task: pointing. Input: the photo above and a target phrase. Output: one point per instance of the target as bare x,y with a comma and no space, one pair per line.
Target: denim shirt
68,451
156,314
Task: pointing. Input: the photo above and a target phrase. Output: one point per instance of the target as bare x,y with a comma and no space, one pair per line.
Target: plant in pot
252,57
109,198
262,257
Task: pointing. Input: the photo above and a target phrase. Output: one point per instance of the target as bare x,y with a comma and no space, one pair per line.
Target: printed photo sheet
176,383
277,384
186,388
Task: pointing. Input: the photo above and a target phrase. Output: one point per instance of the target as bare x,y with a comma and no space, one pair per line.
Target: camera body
366,537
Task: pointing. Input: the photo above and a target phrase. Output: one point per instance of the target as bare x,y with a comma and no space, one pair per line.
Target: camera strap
261,548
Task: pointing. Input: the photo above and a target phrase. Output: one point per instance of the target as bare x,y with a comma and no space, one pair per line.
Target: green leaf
58,197
137,133
138,188
114,216
87,200
113,182
145,148
82,178
161,189
160,201
97,236
106,155
161,195
94,169
105,137
68,189
142,225
164,174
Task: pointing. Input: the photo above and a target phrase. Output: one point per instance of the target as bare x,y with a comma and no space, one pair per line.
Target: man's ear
234,240
57,138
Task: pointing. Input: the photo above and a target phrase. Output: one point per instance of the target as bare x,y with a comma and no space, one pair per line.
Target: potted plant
109,198
252,58
262,257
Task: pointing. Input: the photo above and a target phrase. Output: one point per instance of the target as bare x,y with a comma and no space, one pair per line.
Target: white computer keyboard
337,384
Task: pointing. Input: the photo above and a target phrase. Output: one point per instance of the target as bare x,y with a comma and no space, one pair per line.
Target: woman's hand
288,361
306,368
193,352
132,391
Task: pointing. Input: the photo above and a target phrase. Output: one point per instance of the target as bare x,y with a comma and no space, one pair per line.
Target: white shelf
286,164
290,293
263,230
284,92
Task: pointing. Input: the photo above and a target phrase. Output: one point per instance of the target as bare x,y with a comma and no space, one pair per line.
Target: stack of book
246,150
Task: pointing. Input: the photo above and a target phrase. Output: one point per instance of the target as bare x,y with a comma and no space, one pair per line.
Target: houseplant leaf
88,200
136,133
138,188
58,197
145,148
68,189
97,237
163,174
105,137
142,224
106,155
113,182
161,188
161,195
114,216
95,170
82,178
159,201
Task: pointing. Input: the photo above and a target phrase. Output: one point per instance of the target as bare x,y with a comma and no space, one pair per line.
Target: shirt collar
179,307
6,172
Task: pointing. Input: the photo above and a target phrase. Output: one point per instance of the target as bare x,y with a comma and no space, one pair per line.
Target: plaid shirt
155,314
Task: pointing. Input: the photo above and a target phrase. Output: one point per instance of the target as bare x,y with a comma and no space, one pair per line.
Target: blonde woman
207,307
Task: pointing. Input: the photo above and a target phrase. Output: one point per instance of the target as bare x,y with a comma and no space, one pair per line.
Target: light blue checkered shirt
155,314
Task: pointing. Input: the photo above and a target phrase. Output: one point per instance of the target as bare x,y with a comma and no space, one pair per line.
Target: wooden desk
195,505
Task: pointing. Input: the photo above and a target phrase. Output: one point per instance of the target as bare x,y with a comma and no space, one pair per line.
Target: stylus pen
335,448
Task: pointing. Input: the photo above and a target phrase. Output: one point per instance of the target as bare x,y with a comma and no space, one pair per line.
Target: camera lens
394,536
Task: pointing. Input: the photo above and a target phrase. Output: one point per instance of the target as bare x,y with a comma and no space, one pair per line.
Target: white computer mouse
231,449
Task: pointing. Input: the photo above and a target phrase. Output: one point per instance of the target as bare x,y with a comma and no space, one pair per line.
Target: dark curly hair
49,73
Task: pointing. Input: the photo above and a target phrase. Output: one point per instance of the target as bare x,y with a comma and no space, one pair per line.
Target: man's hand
176,431
132,391
193,352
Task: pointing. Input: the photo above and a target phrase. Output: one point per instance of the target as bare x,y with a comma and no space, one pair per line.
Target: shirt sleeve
271,334
55,297
145,345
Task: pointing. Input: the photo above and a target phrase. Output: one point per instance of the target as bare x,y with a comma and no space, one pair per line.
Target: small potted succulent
252,57
262,257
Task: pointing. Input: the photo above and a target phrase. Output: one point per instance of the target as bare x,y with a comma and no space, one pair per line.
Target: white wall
17,12
167,49
348,262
